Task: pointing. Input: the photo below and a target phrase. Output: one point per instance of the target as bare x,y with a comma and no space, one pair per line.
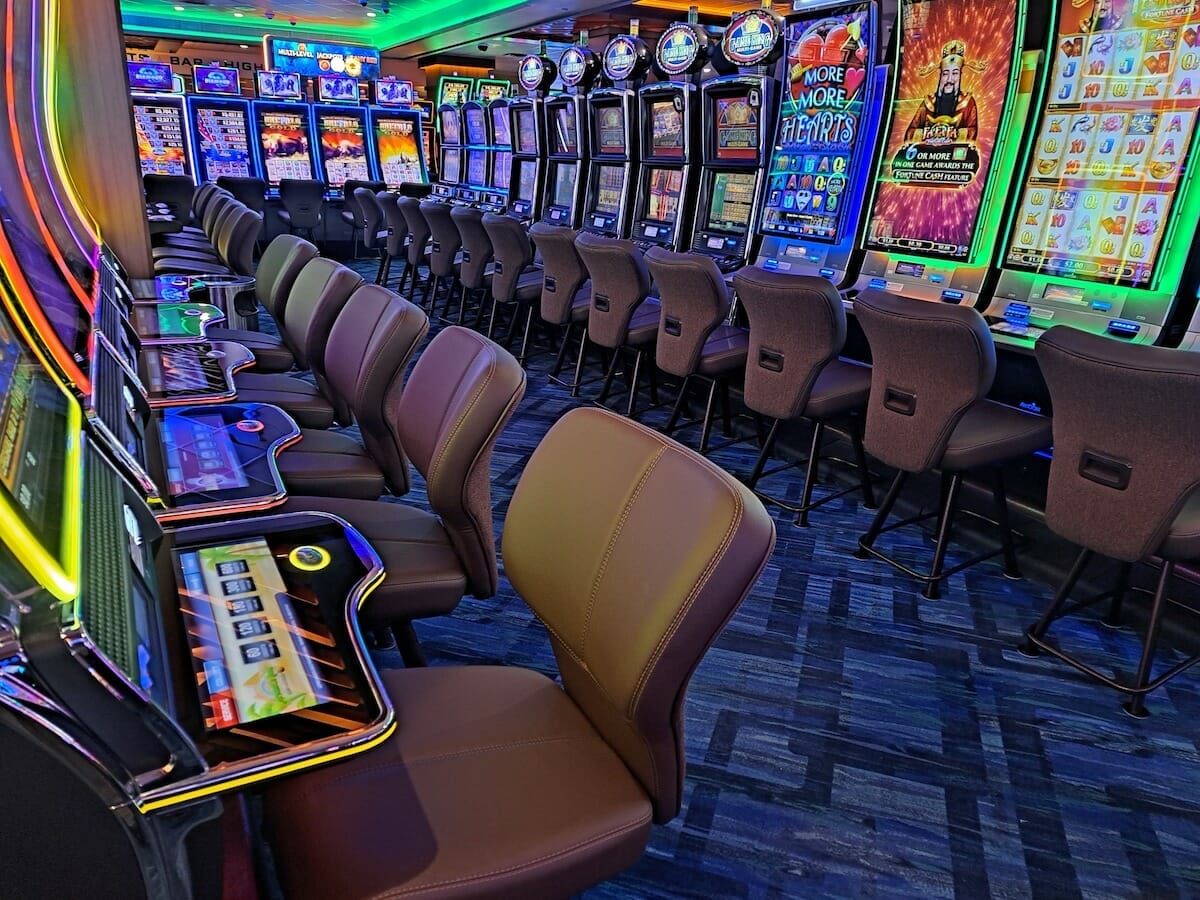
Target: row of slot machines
1033,160
164,640
279,135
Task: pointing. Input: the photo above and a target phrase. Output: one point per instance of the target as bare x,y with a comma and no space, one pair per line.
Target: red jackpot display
1113,141
945,123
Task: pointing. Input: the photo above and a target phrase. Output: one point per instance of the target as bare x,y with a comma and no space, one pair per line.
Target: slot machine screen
337,89
732,201
450,165
737,128
450,131
476,167
1113,143
526,131
343,147
564,185
666,130
147,76
222,140
945,120
500,126
665,187
280,86
526,180
217,80
501,166
283,137
162,147
566,135
455,91
399,157
476,129
809,175
610,186
610,130
393,93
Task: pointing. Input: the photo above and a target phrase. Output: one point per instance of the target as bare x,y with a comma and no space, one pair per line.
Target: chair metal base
634,378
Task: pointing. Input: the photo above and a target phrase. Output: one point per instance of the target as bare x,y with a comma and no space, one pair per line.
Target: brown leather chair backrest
565,273
321,290
477,246
634,568
694,302
511,251
417,228
277,269
397,227
221,211
446,239
931,363
373,218
461,392
620,283
176,191
203,196
797,326
236,244
303,199
247,189
369,349
1126,438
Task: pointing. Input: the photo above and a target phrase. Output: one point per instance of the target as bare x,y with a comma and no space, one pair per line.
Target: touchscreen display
737,127
500,126
610,130
476,131
343,147
526,179
501,164
396,142
200,454
450,160
610,187
665,186
564,185
476,167
450,132
944,123
283,137
222,140
666,129
161,144
732,201
526,131
566,138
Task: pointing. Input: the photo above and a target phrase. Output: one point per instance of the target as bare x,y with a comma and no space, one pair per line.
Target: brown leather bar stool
321,290
303,201
793,370
500,783
933,366
475,273
234,245
1129,493
444,254
695,343
200,243
397,233
622,316
416,248
566,291
516,282
352,211
277,271
458,398
375,228
369,348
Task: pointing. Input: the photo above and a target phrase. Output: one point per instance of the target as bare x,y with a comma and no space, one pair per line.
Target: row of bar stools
566,294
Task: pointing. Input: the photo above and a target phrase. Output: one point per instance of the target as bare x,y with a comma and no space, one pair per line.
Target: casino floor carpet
848,738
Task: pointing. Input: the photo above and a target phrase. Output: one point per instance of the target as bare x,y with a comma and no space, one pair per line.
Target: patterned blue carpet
848,738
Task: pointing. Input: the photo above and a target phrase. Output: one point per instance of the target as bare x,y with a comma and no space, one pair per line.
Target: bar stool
444,254
797,330
695,343
933,366
516,282
397,232
623,316
375,228
417,244
1129,492
352,211
566,291
476,270
302,201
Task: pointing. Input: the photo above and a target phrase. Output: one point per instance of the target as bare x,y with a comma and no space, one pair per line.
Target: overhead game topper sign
626,57
681,49
753,37
321,58
578,67
536,73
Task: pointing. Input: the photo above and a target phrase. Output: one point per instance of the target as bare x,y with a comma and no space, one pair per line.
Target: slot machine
450,124
476,154
1109,199
341,129
612,125
495,194
395,127
830,108
160,120
736,119
669,113
283,129
527,121
220,125
952,140
567,150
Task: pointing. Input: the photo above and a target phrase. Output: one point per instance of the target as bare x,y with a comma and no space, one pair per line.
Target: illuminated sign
578,66
147,76
624,57
217,80
390,92
279,86
337,89
489,89
679,48
453,90
321,58
532,73
752,38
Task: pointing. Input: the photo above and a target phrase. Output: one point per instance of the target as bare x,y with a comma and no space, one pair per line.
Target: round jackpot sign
625,57
535,73
578,65
680,49
753,38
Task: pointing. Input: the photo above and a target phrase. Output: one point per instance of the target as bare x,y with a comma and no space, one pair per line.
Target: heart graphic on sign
829,50
853,81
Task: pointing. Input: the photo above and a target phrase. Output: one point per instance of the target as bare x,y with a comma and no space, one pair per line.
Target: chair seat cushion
350,218
330,464
189,267
643,327
284,215
991,433
841,388
493,785
270,354
724,351
201,253
302,401
1183,538
422,574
